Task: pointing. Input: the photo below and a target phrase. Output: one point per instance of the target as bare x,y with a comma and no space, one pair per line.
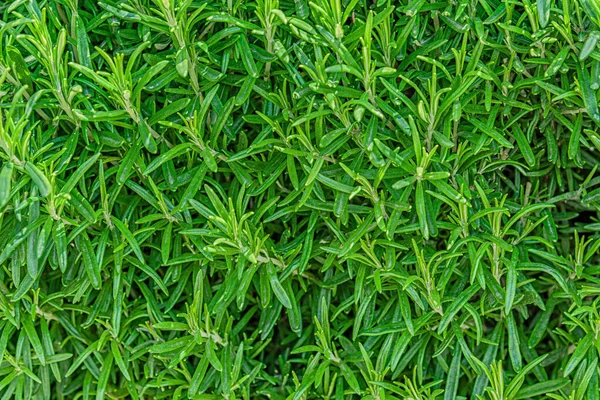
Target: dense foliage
278,199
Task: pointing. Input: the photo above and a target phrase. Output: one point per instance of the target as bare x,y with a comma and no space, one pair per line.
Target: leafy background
292,200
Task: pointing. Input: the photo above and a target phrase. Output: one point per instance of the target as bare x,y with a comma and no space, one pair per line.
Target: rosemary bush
276,199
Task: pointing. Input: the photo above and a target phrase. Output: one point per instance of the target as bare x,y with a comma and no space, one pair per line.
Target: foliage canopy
335,199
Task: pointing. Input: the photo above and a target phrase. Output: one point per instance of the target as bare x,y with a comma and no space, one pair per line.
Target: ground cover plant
277,199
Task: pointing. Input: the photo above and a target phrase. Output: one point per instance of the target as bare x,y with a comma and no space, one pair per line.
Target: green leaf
89,259
39,179
34,339
579,353
78,174
6,176
456,306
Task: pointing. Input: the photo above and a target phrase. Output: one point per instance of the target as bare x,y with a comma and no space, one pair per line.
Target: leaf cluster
327,199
